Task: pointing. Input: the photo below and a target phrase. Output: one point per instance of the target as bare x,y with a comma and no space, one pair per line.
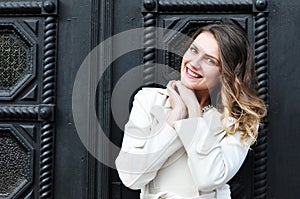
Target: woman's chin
187,84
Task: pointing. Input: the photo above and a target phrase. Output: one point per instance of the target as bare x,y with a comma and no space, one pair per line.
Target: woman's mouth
192,74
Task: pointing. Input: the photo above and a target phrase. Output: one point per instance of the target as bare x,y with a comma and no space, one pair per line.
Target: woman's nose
196,63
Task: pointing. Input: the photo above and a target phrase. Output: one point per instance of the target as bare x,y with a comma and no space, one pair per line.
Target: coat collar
214,119
213,116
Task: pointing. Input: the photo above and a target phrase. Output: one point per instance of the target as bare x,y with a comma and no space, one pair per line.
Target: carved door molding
28,32
183,16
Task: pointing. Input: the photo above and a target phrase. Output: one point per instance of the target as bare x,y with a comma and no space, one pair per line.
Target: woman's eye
211,61
193,50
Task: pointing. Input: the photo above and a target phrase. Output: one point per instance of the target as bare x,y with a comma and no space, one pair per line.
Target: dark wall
284,76
74,41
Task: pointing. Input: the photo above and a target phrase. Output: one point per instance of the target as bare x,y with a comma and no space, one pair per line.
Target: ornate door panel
184,17
27,98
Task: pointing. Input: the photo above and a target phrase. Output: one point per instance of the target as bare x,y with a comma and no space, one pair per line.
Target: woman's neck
203,98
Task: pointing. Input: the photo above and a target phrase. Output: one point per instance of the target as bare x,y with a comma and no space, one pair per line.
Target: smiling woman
200,67
184,142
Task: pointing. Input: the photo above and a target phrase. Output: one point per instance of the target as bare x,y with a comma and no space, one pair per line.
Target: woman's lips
192,74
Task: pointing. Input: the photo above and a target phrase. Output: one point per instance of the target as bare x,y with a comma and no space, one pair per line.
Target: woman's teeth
193,74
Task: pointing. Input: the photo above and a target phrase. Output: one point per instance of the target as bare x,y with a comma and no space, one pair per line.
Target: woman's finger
185,92
190,100
171,85
175,98
171,89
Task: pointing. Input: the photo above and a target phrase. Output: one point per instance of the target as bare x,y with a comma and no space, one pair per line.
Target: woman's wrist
194,110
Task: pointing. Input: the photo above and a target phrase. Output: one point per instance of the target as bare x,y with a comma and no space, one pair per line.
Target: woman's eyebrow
195,46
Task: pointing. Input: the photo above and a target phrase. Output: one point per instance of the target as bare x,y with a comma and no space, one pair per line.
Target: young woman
189,140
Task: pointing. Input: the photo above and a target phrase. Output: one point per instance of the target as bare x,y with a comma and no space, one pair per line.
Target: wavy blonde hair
238,98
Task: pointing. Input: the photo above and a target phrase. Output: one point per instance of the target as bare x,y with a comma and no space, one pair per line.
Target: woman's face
201,67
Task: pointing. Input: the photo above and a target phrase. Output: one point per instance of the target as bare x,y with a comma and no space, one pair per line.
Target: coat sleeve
148,142
213,158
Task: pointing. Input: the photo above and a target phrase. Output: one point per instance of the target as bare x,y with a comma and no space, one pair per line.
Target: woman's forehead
207,43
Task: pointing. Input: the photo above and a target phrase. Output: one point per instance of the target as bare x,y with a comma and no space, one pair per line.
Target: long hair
237,94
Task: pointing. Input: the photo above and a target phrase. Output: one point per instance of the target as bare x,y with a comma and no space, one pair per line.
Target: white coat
193,160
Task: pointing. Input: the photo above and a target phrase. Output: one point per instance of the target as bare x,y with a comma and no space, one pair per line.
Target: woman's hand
190,100
179,109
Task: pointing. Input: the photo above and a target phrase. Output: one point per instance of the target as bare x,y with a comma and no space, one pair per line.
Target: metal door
42,47
27,98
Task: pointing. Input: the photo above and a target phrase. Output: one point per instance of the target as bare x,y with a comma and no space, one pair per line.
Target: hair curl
238,98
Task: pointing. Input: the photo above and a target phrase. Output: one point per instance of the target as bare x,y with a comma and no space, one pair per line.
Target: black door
28,98
44,45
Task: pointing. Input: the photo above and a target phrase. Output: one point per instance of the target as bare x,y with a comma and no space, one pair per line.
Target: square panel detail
17,60
16,158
